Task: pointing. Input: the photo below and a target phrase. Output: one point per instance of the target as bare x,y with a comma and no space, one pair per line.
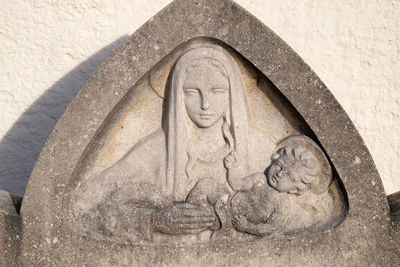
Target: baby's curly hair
303,161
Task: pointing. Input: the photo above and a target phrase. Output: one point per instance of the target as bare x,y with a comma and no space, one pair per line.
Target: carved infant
268,207
215,196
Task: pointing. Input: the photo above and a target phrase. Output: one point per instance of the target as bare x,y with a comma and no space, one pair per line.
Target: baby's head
293,170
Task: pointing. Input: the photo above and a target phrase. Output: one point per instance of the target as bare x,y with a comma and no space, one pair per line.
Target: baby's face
282,174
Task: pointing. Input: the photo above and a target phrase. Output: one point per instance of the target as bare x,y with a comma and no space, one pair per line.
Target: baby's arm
275,222
257,178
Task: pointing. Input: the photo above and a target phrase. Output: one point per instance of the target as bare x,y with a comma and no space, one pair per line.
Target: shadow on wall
20,147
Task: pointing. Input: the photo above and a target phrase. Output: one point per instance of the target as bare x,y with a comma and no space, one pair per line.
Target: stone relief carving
293,198
208,174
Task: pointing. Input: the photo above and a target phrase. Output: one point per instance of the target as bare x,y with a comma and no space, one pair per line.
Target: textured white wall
49,48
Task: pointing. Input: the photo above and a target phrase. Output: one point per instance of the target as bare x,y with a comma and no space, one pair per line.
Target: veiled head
206,92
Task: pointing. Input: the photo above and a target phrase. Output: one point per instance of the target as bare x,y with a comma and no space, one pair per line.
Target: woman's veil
179,123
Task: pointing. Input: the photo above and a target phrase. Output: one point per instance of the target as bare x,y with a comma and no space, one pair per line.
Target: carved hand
240,223
184,218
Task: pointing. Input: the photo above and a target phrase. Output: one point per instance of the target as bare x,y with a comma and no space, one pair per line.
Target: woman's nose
205,104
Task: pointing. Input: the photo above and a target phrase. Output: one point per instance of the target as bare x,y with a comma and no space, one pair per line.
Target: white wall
49,48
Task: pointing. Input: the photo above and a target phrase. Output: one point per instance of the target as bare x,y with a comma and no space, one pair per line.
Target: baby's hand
240,223
230,160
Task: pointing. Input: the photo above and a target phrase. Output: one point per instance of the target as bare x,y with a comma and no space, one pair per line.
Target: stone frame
364,237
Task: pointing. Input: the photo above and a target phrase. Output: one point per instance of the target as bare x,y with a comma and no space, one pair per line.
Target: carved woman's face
206,91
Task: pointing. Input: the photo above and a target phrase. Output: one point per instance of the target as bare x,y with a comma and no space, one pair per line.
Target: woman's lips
206,116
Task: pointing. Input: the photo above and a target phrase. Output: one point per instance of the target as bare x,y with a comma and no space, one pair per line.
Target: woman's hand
184,218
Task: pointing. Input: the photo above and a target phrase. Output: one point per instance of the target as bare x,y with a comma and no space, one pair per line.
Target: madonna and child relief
203,149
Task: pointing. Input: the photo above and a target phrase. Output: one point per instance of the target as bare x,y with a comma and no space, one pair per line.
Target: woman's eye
218,90
191,91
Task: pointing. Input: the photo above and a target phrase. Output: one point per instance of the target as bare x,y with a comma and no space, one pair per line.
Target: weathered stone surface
49,237
394,204
10,226
212,169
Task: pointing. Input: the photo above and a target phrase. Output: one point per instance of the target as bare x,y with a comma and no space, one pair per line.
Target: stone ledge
394,205
9,204
10,229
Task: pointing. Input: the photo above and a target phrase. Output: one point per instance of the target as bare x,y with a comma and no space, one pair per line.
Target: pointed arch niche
125,101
